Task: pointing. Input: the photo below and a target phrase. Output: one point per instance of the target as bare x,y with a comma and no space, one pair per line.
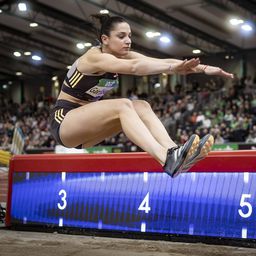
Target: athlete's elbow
137,69
133,70
134,67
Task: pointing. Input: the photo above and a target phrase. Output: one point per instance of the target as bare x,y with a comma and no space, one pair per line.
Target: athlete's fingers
226,74
192,63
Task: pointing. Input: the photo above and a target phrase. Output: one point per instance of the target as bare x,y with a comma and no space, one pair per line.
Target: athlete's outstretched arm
206,69
95,61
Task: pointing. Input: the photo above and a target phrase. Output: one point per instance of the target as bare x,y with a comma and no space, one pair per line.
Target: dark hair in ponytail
107,23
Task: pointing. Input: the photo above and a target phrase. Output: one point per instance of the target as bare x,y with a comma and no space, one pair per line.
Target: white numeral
63,193
144,206
248,210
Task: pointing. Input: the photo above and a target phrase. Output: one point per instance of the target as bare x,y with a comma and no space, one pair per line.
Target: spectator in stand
219,139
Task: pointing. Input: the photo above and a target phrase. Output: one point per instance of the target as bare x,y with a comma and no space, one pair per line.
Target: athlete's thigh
99,137
93,121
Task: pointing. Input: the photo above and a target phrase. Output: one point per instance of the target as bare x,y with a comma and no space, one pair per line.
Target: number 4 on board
144,206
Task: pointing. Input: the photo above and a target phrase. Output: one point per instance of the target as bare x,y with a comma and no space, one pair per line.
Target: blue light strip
204,204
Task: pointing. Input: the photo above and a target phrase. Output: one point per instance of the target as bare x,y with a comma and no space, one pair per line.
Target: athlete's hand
184,67
210,70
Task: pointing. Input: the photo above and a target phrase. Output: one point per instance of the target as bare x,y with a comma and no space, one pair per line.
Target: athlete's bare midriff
65,96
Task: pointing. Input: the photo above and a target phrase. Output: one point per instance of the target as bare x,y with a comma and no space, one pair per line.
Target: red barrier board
216,161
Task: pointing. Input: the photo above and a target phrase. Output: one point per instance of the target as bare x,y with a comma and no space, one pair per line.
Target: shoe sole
192,146
204,148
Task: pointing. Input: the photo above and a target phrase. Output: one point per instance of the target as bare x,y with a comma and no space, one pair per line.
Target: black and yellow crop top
88,87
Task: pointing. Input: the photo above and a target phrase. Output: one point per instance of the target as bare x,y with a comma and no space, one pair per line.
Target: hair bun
105,24
102,18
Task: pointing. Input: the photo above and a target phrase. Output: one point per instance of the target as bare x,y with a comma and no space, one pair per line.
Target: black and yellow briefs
62,107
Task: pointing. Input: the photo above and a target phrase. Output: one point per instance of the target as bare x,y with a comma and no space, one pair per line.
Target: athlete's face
118,42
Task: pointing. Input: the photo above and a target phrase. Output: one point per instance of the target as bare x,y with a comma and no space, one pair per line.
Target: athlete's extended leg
159,132
95,120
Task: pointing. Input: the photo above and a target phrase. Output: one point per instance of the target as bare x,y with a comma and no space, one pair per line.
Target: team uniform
81,86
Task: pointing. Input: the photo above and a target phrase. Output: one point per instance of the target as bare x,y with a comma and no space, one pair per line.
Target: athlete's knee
124,104
141,106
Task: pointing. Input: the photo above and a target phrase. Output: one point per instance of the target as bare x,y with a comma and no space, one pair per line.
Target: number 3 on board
144,206
63,195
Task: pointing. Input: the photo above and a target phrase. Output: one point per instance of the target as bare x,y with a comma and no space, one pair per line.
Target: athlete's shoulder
86,63
94,51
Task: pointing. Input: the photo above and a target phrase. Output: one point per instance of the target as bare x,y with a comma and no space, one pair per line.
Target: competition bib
102,87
